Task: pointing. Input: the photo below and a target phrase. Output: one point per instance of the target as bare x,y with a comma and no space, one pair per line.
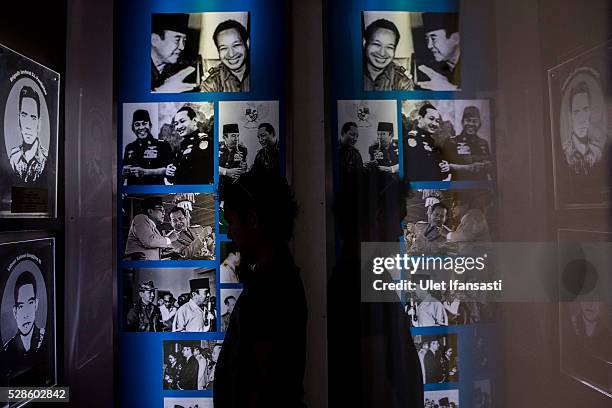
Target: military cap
146,285
230,128
141,115
385,127
443,401
200,283
470,112
151,202
441,21
170,21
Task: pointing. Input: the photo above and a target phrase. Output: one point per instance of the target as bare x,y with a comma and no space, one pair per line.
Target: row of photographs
210,52
172,143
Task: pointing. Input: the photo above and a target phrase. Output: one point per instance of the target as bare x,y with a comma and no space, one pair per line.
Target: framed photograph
170,300
404,51
188,402
178,227
200,52
445,399
585,310
190,364
230,262
438,354
27,314
29,99
447,140
168,143
581,133
368,137
229,297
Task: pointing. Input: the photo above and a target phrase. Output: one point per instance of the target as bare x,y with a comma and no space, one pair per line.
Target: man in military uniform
266,159
195,157
380,73
442,36
230,302
193,240
351,162
430,236
384,152
168,39
146,160
25,353
232,75
197,315
232,154
468,154
422,158
29,158
145,316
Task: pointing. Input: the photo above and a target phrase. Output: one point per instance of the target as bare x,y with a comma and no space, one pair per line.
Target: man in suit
144,240
193,240
188,379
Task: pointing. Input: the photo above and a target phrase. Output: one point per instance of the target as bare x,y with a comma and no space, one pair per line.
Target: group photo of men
200,52
442,399
169,143
439,357
447,140
190,364
177,226
405,51
188,403
170,300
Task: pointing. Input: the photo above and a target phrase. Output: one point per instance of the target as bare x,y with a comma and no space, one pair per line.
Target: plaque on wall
29,103
27,313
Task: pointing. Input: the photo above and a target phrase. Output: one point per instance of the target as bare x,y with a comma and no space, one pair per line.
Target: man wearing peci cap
380,72
196,315
443,41
144,240
422,158
195,156
146,160
468,154
385,151
232,153
168,40
145,316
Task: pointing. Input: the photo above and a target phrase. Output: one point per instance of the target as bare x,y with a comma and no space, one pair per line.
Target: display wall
406,110
200,100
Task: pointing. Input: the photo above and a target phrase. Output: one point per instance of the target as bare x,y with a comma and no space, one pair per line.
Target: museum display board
200,101
402,113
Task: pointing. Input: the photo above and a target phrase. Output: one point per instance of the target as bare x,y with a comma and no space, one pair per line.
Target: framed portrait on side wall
580,114
29,101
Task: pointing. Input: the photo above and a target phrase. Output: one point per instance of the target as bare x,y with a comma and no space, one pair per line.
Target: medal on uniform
203,145
412,142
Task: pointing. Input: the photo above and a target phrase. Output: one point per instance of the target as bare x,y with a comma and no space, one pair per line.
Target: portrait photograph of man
188,403
229,297
27,320
190,364
168,143
170,300
447,140
169,227
443,399
200,52
581,117
29,99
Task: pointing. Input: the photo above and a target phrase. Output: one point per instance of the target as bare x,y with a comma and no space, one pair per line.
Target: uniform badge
412,142
203,145
427,147
463,148
150,153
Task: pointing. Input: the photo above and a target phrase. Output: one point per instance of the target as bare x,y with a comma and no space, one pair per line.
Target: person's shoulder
402,80
43,151
15,152
11,344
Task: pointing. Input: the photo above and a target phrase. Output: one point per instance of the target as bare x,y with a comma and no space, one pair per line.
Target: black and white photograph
200,52
188,402
229,297
168,143
27,325
585,318
248,138
581,126
439,357
368,137
29,97
170,300
229,269
482,394
404,51
447,140
190,364
442,399
176,227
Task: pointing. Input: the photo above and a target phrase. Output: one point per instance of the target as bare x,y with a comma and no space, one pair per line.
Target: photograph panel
229,297
177,226
444,399
190,364
439,357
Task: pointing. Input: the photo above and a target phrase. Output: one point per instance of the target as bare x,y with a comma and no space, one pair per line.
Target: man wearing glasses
144,240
